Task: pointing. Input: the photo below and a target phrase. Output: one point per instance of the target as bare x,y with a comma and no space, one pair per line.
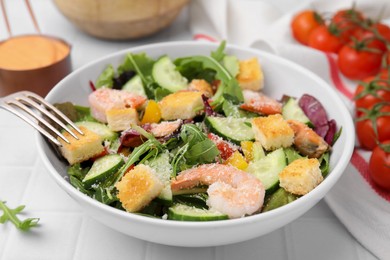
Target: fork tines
30,103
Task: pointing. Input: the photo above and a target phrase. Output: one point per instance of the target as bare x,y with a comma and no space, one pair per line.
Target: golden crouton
272,132
88,146
301,176
138,188
181,105
202,86
121,119
250,75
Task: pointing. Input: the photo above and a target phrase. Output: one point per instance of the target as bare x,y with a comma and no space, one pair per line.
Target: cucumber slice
102,169
232,129
135,85
100,129
188,213
165,74
291,110
163,169
268,168
258,151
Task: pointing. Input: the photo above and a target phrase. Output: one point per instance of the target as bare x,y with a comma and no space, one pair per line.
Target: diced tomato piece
225,148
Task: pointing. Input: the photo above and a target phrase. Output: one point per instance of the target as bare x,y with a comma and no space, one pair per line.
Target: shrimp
165,128
231,191
105,99
307,141
259,103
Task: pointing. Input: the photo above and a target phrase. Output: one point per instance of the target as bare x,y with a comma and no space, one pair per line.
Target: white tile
320,239
162,252
55,238
45,194
18,146
13,182
270,246
99,242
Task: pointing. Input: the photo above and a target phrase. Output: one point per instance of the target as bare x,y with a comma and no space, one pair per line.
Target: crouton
202,86
138,188
301,176
121,119
272,132
250,75
87,146
181,105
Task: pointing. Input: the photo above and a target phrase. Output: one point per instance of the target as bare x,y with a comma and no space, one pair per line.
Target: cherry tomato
371,91
378,33
224,147
303,24
379,165
360,60
325,39
347,21
379,114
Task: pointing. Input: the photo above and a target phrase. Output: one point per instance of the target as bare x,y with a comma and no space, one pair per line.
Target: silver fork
27,105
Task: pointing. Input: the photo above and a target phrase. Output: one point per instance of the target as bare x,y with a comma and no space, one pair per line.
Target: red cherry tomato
379,165
371,91
303,24
325,39
347,21
378,117
225,148
360,61
378,34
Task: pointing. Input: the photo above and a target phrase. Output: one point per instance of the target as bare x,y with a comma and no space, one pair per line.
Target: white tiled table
65,232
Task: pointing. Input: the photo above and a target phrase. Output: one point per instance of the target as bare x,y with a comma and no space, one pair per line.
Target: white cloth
360,206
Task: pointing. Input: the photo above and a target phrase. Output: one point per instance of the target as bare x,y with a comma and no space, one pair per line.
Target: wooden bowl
121,19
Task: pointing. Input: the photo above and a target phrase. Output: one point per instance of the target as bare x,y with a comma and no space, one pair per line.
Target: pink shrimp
307,141
259,103
231,191
165,128
105,99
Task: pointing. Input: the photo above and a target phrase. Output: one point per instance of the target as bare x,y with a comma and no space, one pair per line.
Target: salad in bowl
184,140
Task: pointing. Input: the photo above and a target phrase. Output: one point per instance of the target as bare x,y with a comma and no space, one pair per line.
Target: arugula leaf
324,163
197,149
229,88
202,152
160,93
194,70
178,158
148,147
77,171
106,78
79,185
143,65
10,215
219,54
105,195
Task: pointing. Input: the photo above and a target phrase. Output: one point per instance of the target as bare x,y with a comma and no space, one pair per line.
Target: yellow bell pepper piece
237,160
247,148
152,113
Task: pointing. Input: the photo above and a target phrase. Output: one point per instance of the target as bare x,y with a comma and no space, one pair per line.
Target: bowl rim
322,188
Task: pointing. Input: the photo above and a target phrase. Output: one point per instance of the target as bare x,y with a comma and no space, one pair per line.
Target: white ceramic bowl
281,77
